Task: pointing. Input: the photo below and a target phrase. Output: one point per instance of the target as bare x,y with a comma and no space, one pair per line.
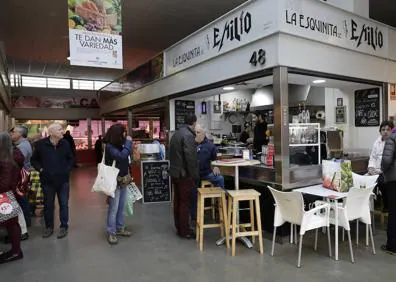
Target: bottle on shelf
233,108
292,137
238,105
300,114
307,116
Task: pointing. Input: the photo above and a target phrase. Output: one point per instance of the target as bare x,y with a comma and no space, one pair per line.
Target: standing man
67,136
19,138
184,173
99,149
260,137
53,158
388,167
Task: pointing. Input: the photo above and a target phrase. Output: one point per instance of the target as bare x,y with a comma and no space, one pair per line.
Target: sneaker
48,232
24,237
62,233
123,233
112,239
386,250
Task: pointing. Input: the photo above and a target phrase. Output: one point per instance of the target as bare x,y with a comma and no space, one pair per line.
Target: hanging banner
95,29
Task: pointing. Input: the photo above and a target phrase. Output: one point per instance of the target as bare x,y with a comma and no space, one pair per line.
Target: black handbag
381,179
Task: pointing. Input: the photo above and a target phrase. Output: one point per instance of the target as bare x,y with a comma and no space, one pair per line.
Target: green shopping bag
128,211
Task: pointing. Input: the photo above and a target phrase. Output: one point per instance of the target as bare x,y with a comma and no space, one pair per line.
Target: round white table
236,163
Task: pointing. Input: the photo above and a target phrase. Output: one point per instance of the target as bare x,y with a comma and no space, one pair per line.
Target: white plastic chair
356,207
367,181
289,207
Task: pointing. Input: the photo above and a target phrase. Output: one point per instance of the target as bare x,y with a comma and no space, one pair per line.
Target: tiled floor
154,253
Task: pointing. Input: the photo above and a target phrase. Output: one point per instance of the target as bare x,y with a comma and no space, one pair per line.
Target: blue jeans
25,206
62,191
216,180
115,214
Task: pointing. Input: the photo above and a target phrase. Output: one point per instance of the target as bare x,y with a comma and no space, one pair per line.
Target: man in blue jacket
206,152
54,159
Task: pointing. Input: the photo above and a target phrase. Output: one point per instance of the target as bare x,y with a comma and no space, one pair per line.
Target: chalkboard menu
155,181
183,108
367,107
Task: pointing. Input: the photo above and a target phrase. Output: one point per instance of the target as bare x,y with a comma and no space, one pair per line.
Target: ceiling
36,35
292,79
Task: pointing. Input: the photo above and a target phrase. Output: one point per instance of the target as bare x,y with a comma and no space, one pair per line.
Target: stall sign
248,23
323,23
95,33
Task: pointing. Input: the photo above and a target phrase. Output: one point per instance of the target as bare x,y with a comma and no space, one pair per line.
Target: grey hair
23,130
200,127
52,126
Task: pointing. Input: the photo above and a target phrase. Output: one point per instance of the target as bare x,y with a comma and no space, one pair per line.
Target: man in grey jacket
388,167
184,173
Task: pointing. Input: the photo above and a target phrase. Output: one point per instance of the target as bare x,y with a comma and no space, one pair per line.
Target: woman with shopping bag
118,148
11,162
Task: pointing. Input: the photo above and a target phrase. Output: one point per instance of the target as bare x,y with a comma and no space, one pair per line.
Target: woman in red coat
11,162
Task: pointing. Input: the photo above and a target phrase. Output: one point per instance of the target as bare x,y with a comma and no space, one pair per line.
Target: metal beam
281,125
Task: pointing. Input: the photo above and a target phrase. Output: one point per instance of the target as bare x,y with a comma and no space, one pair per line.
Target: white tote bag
106,181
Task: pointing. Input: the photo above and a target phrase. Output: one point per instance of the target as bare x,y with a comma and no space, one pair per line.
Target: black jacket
56,162
260,137
388,165
183,154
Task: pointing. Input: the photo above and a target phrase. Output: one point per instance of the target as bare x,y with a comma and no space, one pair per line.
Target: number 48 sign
258,57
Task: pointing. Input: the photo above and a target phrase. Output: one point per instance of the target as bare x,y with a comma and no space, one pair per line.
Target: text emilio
233,30
311,23
373,37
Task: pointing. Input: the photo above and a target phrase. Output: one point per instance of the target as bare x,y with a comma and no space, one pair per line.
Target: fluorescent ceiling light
319,81
227,88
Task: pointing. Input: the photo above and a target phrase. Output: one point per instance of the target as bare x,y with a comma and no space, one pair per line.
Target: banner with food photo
95,33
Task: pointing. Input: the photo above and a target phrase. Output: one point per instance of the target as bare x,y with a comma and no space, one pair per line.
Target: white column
103,124
89,128
13,123
360,7
130,120
6,122
2,116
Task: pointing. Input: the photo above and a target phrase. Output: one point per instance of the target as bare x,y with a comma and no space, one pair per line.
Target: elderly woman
11,162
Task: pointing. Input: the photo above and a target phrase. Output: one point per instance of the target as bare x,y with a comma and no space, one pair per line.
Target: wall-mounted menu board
367,107
156,186
183,108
